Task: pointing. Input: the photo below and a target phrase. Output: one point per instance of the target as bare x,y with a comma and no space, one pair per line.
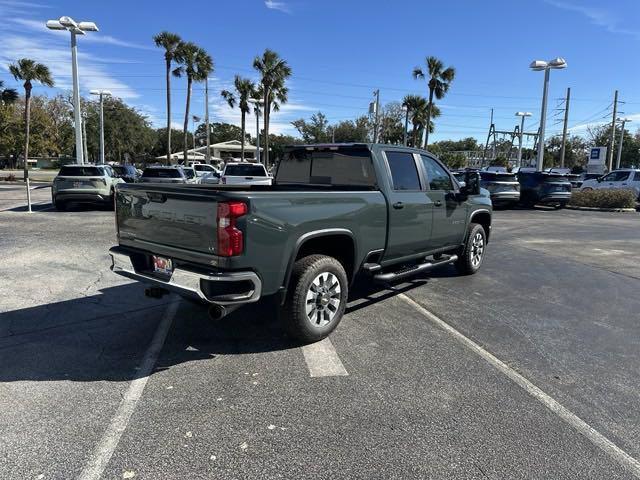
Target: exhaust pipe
217,312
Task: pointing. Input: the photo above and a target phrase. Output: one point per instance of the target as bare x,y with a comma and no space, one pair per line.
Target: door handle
398,205
437,203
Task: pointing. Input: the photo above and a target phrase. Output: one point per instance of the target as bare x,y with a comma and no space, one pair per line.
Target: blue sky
340,51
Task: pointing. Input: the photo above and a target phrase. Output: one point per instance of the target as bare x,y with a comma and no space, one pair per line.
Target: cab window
437,176
403,171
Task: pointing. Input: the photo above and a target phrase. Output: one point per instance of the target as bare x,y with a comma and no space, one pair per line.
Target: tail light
230,238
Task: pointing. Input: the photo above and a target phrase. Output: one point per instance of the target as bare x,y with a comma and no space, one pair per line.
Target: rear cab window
81,171
336,166
245,171
404,172
161,173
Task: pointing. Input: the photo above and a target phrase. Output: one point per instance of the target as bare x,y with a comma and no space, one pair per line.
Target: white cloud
91,37
58,59
275,5
597,16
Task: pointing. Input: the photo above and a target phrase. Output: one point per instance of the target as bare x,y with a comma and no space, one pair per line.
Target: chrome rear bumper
191,284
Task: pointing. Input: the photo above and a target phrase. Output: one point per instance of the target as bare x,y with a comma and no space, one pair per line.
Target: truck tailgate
179,216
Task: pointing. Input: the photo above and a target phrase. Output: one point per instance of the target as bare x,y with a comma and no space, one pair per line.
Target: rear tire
471,255
317,298
60,206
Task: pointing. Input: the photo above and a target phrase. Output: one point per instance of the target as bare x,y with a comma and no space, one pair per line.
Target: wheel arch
482,217
339,243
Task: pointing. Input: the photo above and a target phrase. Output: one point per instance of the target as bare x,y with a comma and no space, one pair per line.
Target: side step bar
410,271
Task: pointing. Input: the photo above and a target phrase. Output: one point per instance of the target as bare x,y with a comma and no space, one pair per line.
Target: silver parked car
84,184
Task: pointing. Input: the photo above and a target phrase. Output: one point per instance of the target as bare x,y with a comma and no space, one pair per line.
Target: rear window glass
340,166
245,171
162,173
403,171
81,172
498,177
203,168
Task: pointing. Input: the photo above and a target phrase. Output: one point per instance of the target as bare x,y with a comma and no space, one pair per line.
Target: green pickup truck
335,214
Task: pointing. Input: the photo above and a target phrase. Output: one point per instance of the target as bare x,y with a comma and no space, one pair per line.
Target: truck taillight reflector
230,238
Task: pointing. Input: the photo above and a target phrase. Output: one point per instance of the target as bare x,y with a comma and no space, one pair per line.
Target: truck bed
180,221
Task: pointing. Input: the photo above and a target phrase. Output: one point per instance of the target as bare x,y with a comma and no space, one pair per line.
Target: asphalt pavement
99,381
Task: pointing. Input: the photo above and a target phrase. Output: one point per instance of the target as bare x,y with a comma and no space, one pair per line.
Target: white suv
626,178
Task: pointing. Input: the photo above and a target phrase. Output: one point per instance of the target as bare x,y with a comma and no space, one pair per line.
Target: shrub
604,198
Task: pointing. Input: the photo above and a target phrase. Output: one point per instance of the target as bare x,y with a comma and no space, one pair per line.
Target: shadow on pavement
104,337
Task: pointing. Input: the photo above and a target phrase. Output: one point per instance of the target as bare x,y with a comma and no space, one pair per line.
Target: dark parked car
126,172
544,188
159,174
334,214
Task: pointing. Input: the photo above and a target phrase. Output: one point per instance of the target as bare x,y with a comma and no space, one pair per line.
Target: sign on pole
597,160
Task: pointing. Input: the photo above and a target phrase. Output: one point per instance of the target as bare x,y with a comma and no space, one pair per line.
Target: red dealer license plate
162,265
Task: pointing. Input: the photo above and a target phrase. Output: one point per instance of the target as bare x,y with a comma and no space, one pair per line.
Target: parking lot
529,369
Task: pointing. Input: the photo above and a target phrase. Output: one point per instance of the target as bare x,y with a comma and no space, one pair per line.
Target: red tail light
230,238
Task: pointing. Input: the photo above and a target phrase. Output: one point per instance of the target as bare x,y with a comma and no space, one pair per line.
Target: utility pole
619,157
543,122
84,137
406,126
613,131
564,128
377,108
207,156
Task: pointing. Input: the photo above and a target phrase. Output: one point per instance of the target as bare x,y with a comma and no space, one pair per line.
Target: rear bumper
82,197
221,288
505,197
555,197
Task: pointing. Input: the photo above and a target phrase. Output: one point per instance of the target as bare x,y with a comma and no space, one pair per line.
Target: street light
538,65
523,115
102,94
623,120
68,23
256,108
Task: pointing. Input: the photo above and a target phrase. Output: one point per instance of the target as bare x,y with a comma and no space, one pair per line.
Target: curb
598,209
34,183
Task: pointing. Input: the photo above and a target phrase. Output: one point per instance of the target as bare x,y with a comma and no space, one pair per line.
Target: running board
410,271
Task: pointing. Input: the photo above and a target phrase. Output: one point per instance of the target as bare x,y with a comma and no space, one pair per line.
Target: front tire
317,298
471,255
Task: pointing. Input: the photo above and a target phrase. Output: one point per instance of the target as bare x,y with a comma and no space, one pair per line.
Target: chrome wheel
477,249
323,299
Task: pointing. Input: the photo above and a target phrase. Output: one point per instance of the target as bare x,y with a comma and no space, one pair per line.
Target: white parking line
599,440
101,455
322,360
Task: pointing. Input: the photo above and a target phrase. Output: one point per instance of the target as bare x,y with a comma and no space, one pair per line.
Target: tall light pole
522,116
538,65
207,157
256,108
76,28
102,94
619,157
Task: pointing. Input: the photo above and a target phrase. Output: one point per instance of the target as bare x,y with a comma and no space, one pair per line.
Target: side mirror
462,184
471,183
599,179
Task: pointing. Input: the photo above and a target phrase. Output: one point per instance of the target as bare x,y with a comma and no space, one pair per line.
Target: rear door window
403,170
636,177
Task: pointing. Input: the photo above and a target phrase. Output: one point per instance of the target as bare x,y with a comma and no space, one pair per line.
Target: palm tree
274,72
169,41
244,90
7,95
438,81
196,64
29,71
